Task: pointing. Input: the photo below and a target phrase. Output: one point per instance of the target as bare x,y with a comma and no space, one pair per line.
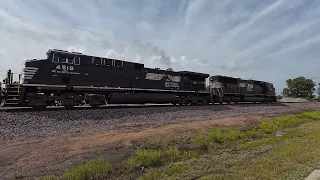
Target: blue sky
270,40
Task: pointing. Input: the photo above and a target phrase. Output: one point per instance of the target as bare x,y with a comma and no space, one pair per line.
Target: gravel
19,125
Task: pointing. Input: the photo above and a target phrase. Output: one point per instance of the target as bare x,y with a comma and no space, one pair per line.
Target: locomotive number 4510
65,67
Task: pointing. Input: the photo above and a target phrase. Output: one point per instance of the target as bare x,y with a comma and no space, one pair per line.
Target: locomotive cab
56,69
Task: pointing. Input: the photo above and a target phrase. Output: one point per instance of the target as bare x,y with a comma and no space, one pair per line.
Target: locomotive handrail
9,80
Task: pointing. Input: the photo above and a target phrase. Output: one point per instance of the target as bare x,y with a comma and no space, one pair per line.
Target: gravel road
16,125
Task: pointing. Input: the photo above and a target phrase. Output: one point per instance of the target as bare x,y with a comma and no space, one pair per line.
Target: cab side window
108,62
70,60
97,61
77,61
63,60
55,58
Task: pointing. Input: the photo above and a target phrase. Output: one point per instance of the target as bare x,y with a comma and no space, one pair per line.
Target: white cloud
2,51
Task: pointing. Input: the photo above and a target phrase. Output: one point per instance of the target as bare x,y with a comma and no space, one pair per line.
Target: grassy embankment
286,147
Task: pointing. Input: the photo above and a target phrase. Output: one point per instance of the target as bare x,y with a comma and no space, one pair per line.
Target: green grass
292,157
169,172
149,157
258,154
288,121
225,136
279,148
93,169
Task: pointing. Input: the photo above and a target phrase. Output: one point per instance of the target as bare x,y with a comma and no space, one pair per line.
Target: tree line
301,87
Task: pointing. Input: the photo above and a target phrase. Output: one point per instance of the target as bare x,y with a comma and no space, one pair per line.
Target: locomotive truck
71,79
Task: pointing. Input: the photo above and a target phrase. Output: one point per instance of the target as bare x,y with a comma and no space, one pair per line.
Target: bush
93,169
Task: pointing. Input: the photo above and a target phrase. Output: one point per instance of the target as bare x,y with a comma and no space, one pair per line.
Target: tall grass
93,169
218,136
288,121
224,136
150,157
314,115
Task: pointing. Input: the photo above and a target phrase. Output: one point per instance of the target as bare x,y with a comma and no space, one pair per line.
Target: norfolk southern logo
157,77
171,81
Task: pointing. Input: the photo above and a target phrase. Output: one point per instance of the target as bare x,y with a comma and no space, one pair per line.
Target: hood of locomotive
271,89
38,71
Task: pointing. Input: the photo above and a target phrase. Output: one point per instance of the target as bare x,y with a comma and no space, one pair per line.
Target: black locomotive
71,79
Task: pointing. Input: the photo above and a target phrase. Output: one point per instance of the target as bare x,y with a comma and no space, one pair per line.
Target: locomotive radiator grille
29,72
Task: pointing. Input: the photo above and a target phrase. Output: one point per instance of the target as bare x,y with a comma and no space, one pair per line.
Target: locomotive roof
181,72
80,54
194,73
63,51
233,78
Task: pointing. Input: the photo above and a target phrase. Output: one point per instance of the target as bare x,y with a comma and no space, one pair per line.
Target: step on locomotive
70,79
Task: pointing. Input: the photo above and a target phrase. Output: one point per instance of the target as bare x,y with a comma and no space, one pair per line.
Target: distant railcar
70,79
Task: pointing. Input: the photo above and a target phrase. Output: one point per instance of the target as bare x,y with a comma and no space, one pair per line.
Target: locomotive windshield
64,58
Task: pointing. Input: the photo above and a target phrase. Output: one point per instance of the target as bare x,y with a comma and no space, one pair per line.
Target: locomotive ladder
12,89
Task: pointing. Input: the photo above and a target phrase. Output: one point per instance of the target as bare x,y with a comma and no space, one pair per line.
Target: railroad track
27,123
122,106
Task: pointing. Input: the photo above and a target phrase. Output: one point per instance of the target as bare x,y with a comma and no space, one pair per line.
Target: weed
201,141
314,115
261,143
179,139
162,142
166,172
17,174
149,157
222,136
253,134
96,169
217,136
280,123
156,142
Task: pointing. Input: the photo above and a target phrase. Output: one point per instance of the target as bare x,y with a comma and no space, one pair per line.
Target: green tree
279,97
318,91
299,87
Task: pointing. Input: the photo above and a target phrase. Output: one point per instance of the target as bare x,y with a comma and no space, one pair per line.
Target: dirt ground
33,158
